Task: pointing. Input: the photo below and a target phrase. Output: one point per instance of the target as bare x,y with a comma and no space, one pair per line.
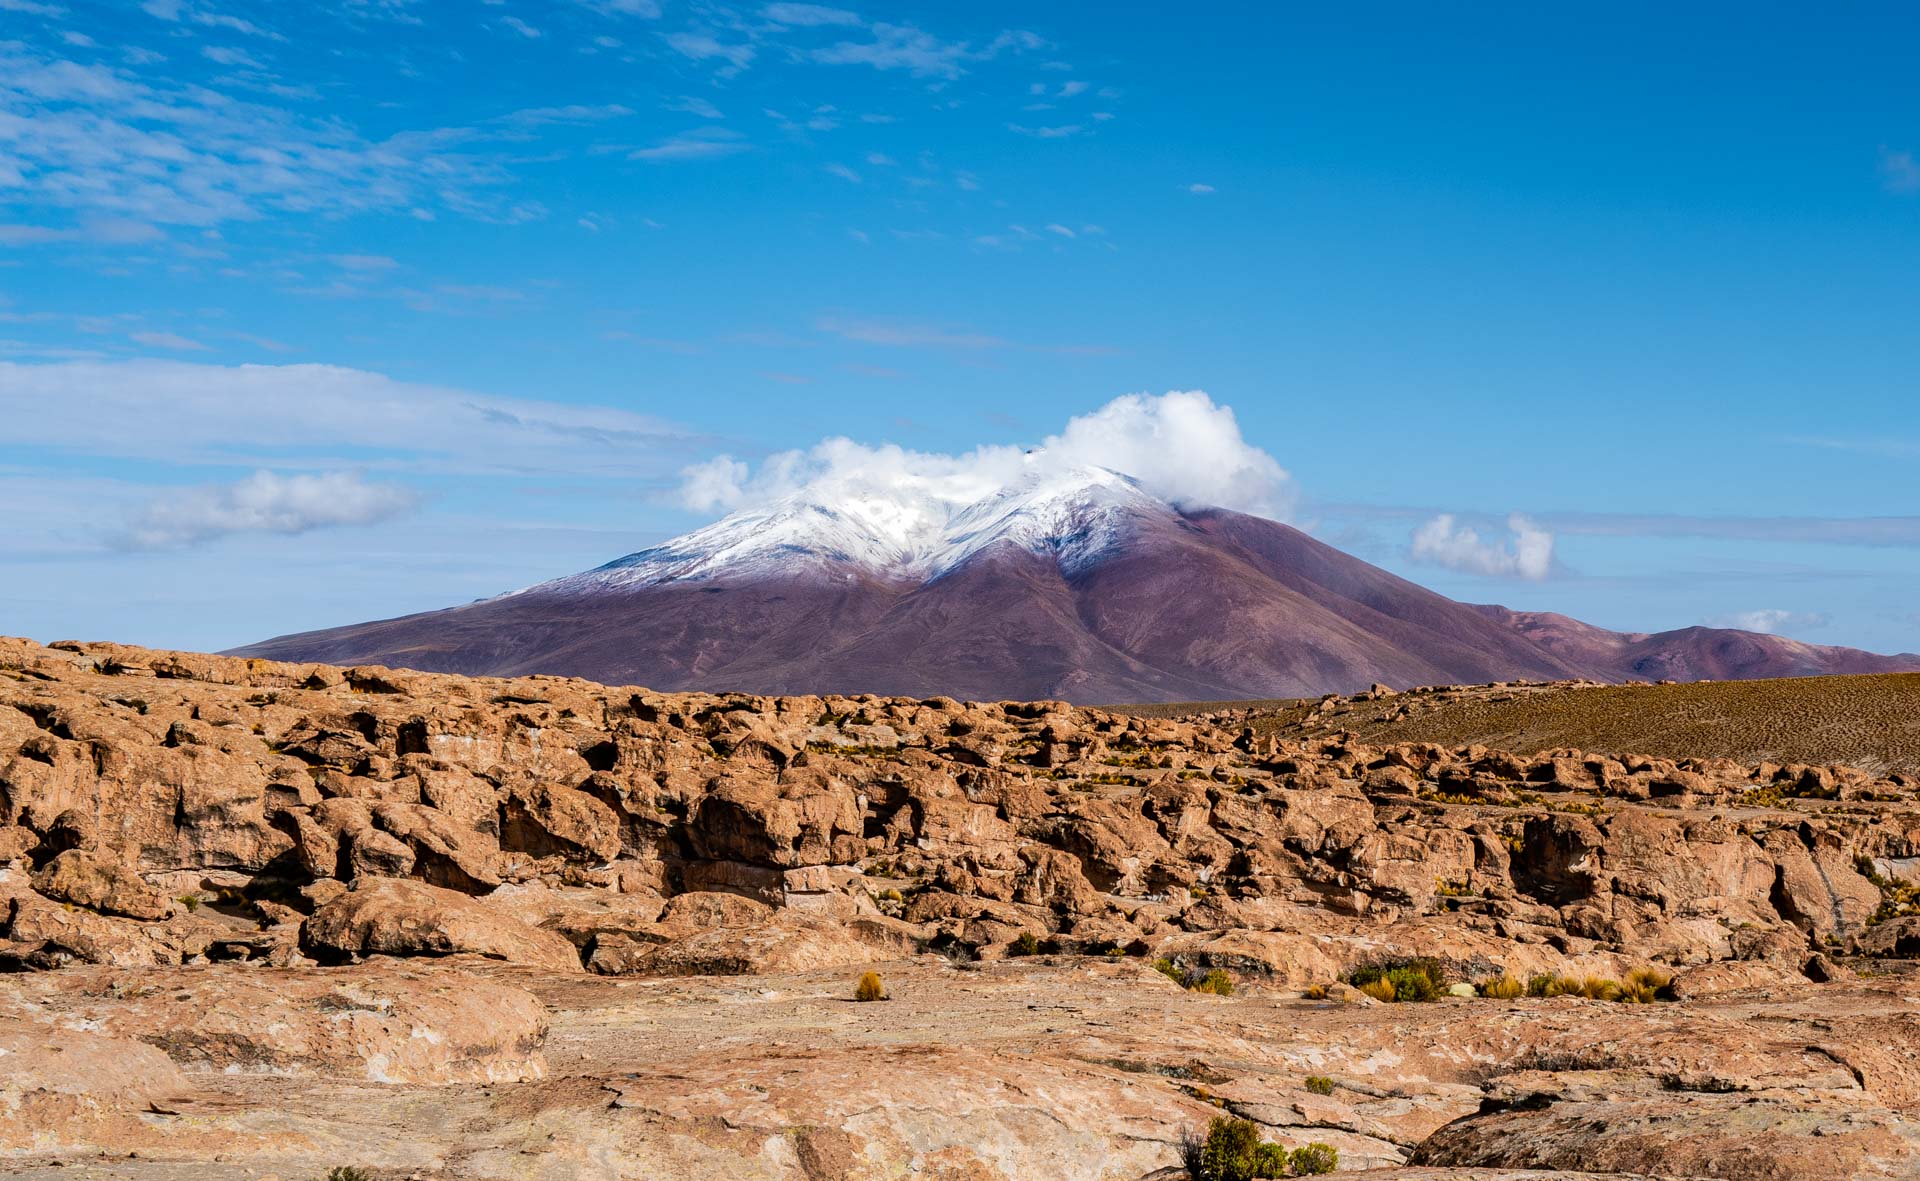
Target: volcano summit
1067,582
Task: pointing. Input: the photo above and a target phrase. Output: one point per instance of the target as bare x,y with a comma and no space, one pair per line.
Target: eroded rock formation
259,868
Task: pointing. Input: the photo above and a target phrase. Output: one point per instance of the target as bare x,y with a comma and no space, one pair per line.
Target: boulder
391,916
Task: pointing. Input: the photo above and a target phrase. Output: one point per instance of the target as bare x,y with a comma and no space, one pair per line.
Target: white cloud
1771,621
1179,445
1062,132
166,340
362,262
699,144
263,503
109,144
31,7
1444,542
809,15
843,172
1899,171
521,27
644,9
256,415
1202,190
907,335
224,56
702,46
694,105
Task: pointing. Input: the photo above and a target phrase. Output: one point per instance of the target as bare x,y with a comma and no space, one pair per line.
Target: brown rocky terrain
273,919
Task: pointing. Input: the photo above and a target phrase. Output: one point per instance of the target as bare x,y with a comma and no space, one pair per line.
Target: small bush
1319,1084
869,988
348,1173
1550,986
1228,1154
1313,1159
1170,970
1652,980
1270,1160
1027,944
1505,988
1379,990
1599,988
1215,981
1412,980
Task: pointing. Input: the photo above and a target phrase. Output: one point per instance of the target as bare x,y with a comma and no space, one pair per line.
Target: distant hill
1072,584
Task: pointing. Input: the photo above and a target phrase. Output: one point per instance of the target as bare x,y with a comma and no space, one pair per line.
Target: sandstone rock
387,916
77,877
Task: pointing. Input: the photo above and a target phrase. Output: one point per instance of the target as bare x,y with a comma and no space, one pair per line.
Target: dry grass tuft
869,988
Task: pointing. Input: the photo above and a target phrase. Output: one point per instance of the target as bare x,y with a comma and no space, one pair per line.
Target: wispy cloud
1772,621
698,144
111,145
898,334
1899,171
809,15
705,46
332,417
1061,132
166,340
1443,541
263,503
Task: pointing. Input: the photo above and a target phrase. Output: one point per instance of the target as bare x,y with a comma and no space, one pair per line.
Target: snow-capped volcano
1039,579
898,531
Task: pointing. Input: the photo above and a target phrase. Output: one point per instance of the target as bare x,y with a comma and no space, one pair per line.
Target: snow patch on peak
917,532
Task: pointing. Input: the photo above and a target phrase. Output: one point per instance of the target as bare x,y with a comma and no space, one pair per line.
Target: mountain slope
1075,585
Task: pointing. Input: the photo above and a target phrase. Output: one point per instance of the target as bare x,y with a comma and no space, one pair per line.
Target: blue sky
319,313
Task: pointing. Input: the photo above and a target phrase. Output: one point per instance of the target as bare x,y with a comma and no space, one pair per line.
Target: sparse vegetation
1379,990
348,1173
1211,980
1502,988
1406,980
869,988
1215,981
1897,898
1642,986
1027,944
1319,1084
1233,1151
1861,720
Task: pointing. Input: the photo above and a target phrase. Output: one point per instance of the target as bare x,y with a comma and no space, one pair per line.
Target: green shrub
1215,981
1319,1084
1233,1151
1170,970
1599,988
1412,980
1379,990
1027,944
1313,1159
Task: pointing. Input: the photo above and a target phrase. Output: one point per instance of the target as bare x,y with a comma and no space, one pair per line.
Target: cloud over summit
1181,446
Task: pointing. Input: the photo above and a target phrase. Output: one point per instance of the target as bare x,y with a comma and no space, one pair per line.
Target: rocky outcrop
389,916
369,876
